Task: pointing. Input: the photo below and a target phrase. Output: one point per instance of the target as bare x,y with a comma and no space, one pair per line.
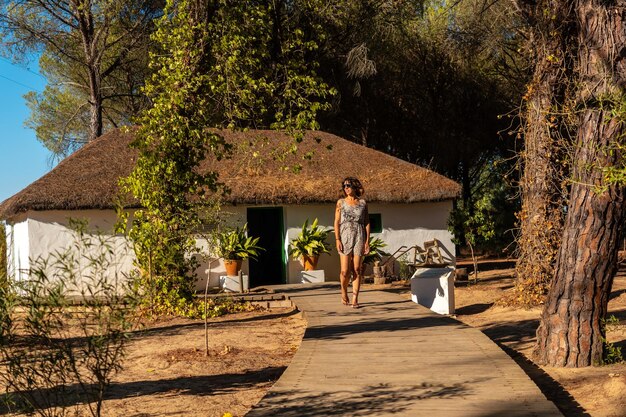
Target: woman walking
352,233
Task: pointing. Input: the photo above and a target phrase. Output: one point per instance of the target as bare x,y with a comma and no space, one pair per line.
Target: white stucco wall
403,225
18,248
39,233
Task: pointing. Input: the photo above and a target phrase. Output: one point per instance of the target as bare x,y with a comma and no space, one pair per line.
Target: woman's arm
337,219
366,249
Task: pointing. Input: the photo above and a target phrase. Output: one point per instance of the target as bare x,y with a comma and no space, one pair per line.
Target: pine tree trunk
93,60
570,333
95,121
541,215
540,218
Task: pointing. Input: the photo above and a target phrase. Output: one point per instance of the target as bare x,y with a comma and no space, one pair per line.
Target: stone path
393,357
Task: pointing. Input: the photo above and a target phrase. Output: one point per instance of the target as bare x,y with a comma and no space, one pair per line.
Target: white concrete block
434,288
316,275
230,283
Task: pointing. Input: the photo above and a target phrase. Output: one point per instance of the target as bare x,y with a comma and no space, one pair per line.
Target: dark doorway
267,224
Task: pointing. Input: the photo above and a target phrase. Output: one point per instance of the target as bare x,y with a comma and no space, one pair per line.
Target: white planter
434,288
231,283
308,277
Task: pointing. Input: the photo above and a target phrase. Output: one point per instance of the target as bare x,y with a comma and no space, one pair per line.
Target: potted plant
234,246
309,245
374,256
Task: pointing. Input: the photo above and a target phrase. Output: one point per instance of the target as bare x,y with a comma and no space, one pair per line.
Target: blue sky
22,158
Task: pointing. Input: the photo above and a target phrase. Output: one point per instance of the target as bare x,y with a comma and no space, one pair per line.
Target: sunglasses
347,186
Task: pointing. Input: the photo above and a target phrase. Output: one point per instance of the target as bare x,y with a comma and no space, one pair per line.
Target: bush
65,328
486,220
311,241
235,244
376,252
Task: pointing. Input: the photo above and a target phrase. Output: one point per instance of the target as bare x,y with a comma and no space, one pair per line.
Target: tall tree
223,64
425,81
94,52
549,31
571,332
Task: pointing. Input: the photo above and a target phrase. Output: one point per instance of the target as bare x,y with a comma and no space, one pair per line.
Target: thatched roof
88,178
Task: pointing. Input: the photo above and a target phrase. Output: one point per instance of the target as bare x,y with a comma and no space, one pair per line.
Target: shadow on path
387,326
369,401
548,385
523,331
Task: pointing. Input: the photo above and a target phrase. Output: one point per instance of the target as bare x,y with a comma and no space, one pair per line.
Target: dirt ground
596,391
168,374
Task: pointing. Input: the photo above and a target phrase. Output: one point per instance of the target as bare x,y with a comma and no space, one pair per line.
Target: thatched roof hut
88,179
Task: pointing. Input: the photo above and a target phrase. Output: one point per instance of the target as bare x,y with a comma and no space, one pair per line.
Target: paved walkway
393,357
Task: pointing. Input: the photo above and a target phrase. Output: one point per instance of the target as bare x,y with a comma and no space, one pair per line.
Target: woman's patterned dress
352,227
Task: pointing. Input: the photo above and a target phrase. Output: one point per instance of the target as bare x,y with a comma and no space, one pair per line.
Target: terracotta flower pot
310,262
233,266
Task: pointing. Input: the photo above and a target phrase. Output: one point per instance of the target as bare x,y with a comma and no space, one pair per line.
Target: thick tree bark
570,333
541,215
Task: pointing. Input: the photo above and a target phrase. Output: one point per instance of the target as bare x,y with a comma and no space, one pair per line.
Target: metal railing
423,254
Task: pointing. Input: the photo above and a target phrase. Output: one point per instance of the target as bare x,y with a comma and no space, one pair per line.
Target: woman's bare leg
344,276
356,282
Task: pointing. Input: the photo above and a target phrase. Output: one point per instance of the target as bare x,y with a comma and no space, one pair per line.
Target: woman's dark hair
356,186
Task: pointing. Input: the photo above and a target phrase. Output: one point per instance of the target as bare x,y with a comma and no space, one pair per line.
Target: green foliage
615,174
65,328
217,307
221,64
423,80
234,244
93,55
7,305
55,119
311,241
404,271
612,354
61,114
487,220
376,252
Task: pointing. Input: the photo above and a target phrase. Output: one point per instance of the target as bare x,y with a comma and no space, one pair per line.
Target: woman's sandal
345,301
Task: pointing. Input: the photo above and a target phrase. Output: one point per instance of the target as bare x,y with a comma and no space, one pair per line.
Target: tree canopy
94,56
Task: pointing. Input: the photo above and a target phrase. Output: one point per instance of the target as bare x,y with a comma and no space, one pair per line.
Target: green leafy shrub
486,220
235,244
65,329
612,354
376,252
310,242
404,267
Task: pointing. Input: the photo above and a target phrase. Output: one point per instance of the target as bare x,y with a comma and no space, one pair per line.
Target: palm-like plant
234,244
310,242
376,252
